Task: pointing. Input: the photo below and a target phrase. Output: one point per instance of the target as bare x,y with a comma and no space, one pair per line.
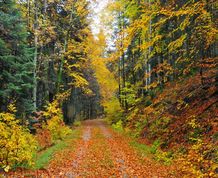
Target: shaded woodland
153,75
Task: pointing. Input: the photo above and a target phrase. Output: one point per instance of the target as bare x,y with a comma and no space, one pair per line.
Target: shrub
195,163
139,126
155,146
77,123
118,126
16,143
165,157
56,126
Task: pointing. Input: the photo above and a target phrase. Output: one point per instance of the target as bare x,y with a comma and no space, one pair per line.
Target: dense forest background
154,74
44,52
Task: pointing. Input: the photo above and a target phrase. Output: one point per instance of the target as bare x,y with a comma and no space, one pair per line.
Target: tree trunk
28,14
35,55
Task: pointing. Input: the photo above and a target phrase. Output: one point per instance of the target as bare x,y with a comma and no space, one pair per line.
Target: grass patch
42,158
141,148
153,151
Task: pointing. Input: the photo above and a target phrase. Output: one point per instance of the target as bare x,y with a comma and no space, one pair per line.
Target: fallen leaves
100,152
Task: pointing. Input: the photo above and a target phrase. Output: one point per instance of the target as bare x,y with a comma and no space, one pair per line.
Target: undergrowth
77,123
179,125
153,150
17,145
42,158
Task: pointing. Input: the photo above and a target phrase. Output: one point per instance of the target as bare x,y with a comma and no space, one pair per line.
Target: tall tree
163,40
16,60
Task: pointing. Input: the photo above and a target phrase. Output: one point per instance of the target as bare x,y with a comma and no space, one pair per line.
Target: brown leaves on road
102,153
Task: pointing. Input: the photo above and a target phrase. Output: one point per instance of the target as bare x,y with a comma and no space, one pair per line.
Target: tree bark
35,55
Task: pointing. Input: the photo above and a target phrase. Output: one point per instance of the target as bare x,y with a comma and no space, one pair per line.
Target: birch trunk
35,55
149,52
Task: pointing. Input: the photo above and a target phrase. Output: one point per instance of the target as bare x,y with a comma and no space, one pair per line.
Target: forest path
101,152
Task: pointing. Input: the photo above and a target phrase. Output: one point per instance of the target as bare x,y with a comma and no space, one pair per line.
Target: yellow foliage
116,6
16,143
105,78
108,87
194,164
76,61
79,81
113,110
173,46
12,108
107,82
56,126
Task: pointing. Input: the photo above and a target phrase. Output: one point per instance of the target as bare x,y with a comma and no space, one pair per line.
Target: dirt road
100,152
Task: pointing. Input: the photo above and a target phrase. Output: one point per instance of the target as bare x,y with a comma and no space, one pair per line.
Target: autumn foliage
16,143
43,137
181,117
51,126
55,123
150,71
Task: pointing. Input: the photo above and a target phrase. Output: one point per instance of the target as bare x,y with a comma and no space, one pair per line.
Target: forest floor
100,152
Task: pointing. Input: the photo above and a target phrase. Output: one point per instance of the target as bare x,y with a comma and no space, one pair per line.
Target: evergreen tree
15,60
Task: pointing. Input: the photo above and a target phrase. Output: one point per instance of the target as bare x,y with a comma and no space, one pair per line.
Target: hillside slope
183,120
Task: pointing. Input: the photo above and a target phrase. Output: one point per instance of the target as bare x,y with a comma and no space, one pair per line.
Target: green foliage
142,148
118,126
139,126
160,126
155,146
113,110
16,62
42,160
153,151
215,136
77,123
16,143
148,102
128,94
